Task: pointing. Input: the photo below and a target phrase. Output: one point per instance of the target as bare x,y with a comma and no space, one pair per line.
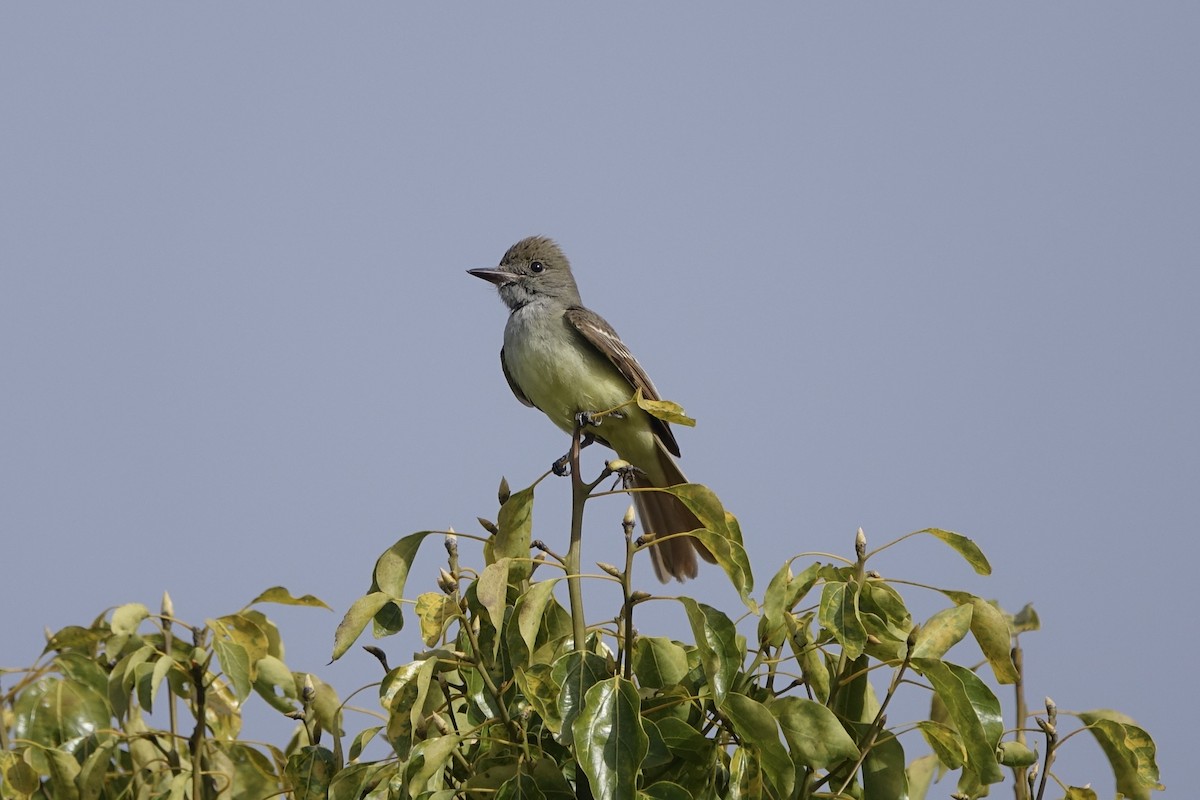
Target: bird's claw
562,466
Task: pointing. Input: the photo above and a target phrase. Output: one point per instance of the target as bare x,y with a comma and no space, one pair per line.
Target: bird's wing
516,390
602,336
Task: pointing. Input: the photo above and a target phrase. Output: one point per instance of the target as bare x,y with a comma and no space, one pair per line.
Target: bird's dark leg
562,467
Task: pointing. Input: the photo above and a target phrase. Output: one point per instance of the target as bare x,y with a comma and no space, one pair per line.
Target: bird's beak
496,276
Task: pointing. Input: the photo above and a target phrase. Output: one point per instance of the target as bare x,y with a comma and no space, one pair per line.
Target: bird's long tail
663,514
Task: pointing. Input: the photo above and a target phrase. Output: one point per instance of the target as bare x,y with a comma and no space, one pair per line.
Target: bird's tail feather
663,514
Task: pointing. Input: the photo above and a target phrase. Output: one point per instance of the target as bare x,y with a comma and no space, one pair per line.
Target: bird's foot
562,466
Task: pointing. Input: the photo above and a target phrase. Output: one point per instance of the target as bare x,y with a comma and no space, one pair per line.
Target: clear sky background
909,265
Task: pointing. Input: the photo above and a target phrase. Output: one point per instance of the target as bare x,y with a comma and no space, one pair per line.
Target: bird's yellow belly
566,381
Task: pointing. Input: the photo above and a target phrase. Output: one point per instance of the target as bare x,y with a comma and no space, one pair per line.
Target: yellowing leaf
664,410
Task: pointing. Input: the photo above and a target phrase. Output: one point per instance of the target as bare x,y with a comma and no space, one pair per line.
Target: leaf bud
913,635
168,607
451,543
503,493
488,526
1015,754
639,596
1046,727
860,543
609,568
628,520
446,582
199,657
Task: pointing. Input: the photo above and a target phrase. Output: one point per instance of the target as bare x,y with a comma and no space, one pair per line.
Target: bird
565,360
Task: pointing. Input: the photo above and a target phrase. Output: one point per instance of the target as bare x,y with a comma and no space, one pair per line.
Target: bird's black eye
536,266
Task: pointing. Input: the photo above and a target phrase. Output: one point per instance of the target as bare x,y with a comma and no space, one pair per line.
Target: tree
518,696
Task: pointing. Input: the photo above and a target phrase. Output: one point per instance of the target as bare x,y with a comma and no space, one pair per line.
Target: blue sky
909,266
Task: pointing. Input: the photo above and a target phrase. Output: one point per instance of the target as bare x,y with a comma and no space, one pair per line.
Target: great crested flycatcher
564,360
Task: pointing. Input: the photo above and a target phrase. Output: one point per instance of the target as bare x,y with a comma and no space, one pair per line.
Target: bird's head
533,269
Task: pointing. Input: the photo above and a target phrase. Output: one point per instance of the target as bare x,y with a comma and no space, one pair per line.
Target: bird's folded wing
602,336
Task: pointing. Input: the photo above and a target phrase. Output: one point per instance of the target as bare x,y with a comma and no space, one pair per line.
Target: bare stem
579,495
196,741
1020,774
627,593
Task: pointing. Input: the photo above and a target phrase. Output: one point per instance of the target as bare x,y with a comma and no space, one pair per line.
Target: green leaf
532,619
746,779
974,711
241,630
945,743
391,569
548,777
235,663
514,535
664,410
813,667
59,714
434,611
1130,752
309,772
920,776
60,768
783,593
354,780
127,618
362,739
492,591
717,645
684,741
1025,620
964,547
278,594
665,790
246,768
93,773
657,753
403,694
884,776
162,667
814,735
18,775
575,674
990,627
268,628
609,740
942,631
276,684
731,557
839,616
756,727
73,637
521,786
1015,754
390,576
658,662
536,683
431,755
351,626
721,534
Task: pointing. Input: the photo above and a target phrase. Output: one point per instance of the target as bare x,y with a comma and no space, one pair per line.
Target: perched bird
564,359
